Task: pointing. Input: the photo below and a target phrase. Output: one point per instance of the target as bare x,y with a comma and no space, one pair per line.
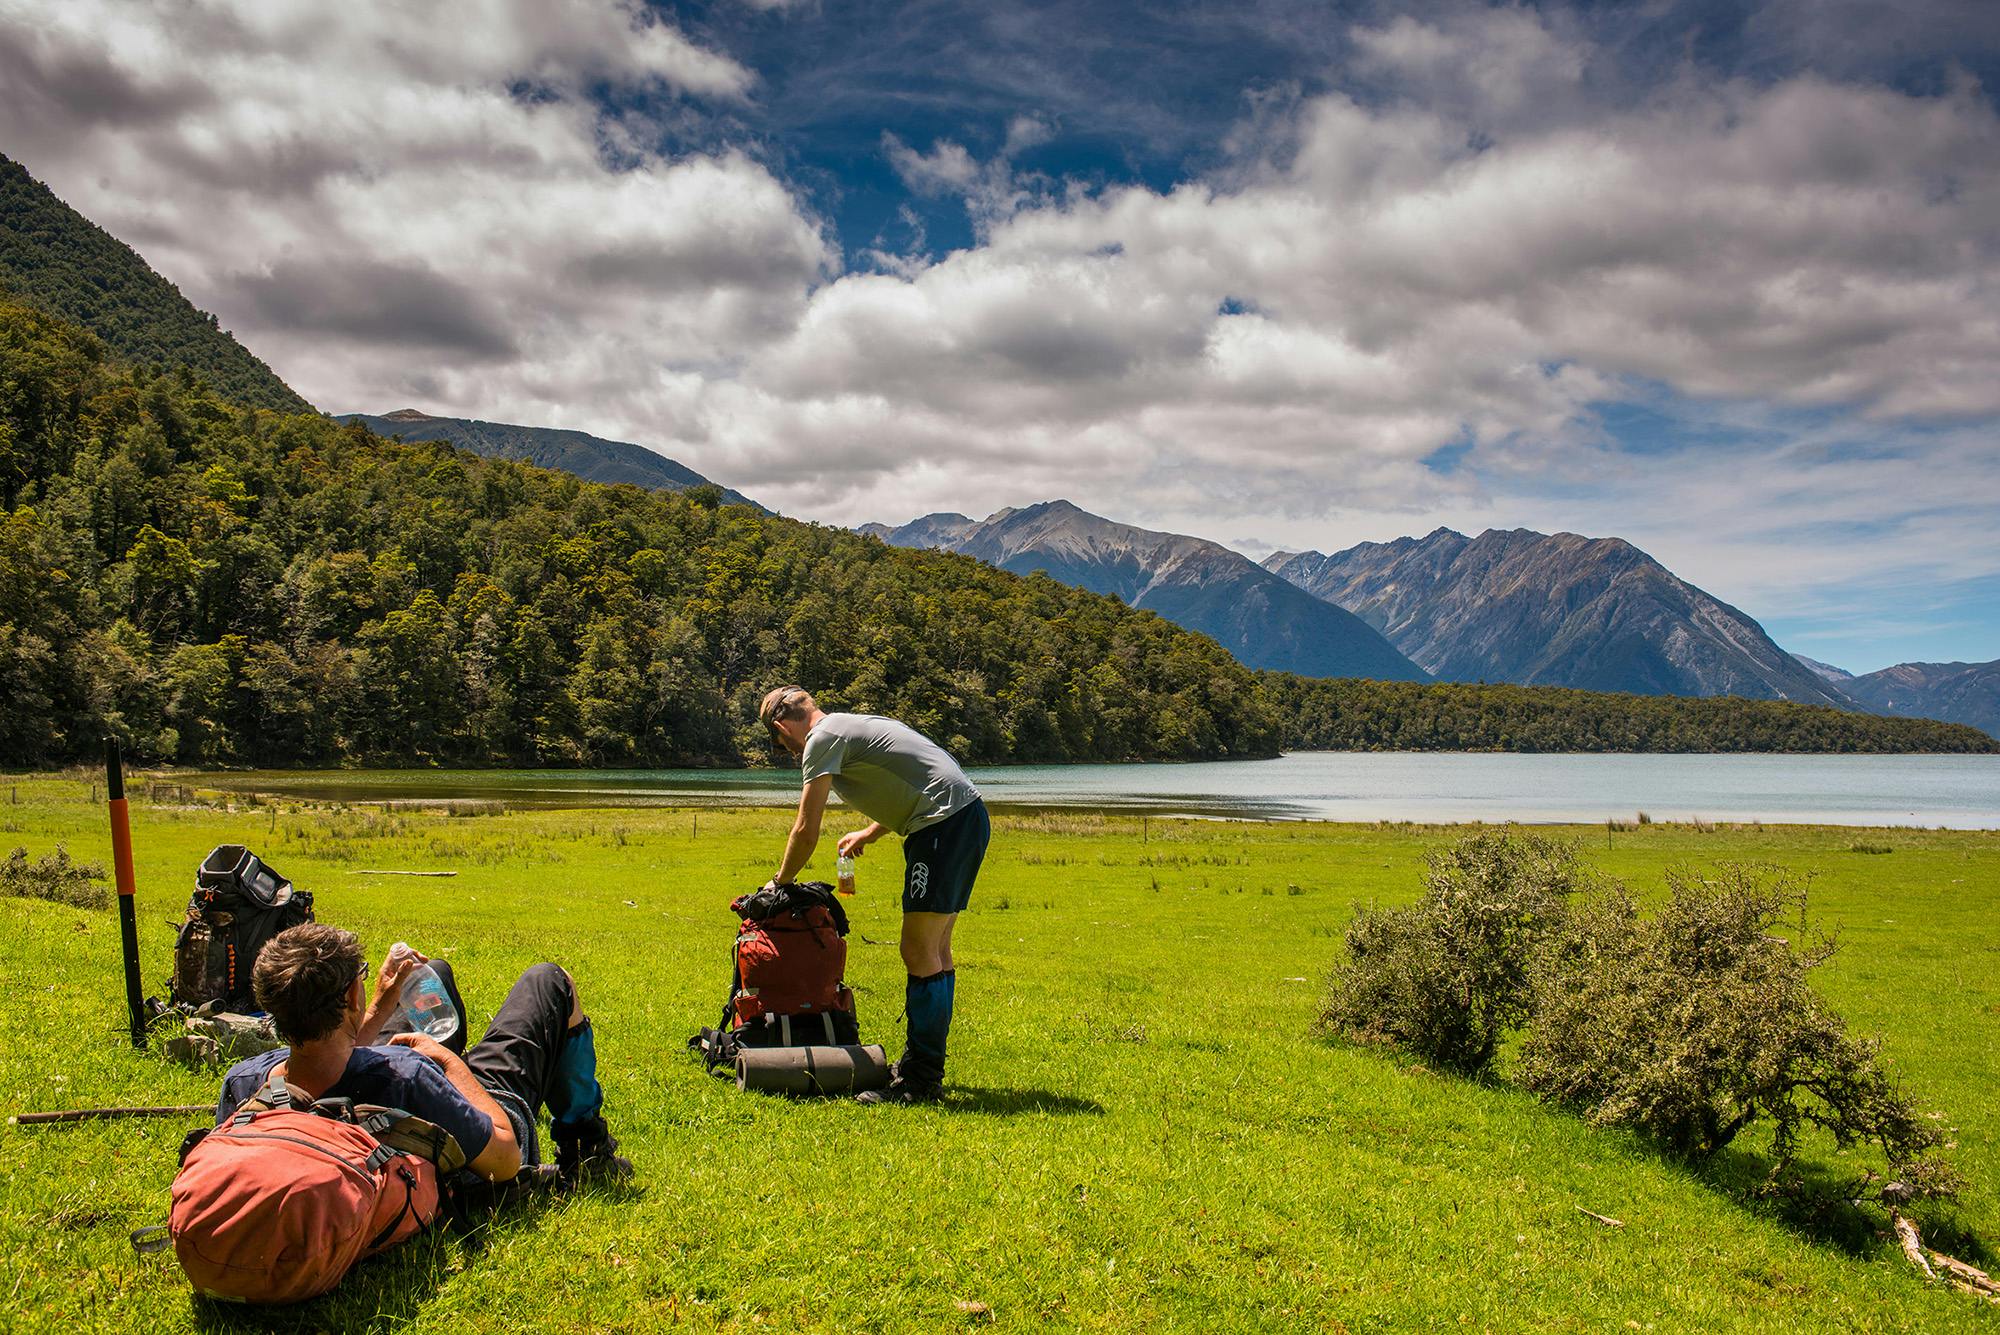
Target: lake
1957,792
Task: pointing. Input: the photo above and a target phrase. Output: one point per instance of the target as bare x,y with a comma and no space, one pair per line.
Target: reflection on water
1961,792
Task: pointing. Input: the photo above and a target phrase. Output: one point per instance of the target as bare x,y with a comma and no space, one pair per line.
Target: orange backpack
278,1204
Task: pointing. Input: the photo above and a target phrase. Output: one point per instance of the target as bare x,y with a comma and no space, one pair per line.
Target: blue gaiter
927,1003
574,1094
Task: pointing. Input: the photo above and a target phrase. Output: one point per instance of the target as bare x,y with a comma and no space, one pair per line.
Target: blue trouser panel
574,1094
927,1004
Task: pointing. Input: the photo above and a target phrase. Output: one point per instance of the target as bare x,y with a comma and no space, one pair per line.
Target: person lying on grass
903,782
538,1053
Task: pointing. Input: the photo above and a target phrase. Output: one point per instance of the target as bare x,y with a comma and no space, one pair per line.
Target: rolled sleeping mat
821,1070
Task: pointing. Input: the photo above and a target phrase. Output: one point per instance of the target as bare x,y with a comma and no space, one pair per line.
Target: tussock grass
54,877
1143,1135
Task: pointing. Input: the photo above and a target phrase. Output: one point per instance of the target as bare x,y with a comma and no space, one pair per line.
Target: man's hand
389,980
852,845
428,1046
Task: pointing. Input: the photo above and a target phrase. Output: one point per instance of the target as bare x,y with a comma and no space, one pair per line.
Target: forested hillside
1456,716
222,585
217,585
56,257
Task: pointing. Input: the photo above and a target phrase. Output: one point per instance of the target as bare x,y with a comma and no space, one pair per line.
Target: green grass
1144,1133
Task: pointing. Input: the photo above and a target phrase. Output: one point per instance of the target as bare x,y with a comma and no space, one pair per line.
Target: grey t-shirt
888,771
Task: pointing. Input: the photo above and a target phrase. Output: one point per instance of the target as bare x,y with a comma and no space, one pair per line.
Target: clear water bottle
426,1004
843,874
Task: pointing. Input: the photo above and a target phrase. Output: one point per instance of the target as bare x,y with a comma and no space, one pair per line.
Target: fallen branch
93,1114
1965,1278
1603,1219
1913,1246
377,871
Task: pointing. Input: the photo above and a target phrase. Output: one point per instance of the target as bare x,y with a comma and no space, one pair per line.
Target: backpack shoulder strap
717,1047
405,1133
275,1093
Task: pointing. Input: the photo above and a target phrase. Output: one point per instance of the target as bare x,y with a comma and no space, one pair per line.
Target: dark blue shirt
395,1077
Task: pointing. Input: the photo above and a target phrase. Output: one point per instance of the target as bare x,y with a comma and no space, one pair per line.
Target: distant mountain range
60,260
1200,585
1951,692
1826,670
1558,609
592,458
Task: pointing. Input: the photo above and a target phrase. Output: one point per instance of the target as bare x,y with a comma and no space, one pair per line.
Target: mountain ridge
592,458
1836,675
1192,582
1948,692
1517,605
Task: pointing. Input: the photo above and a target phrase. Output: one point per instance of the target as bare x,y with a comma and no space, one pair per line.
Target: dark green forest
59,259
1462,716
217,584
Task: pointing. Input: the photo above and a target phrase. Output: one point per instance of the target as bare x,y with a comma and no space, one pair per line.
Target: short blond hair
783,703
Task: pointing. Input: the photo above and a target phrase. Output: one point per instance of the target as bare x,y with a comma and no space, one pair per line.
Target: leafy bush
1449,975
1694,1023
55,878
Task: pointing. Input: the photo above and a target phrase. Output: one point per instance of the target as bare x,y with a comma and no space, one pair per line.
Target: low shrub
54,878
1697,1022
1449,975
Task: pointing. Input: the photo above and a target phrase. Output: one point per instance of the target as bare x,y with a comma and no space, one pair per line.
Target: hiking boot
586,1152
904,1091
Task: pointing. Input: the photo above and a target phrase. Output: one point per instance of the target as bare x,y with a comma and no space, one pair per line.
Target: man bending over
538,1052
903,782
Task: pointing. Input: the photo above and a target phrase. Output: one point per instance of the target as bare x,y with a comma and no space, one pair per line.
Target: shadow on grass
1822,1209
1011,1102
389,1291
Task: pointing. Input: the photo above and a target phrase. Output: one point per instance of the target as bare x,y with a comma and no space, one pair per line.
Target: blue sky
1720,279
1148,92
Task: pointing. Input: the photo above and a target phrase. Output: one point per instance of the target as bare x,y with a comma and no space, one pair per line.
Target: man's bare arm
501,1159
805,830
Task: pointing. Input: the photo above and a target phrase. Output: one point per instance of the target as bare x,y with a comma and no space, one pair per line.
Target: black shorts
941,861
516,1060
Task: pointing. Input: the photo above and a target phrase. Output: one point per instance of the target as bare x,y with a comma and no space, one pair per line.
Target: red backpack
791,956
790,963
277,1204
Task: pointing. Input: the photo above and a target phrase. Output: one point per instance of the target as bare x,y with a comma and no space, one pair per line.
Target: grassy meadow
1143,1134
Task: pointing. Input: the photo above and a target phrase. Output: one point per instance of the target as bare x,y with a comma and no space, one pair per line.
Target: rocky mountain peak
1193,582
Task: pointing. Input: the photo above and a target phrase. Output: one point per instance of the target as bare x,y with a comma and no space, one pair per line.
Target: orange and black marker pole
121,859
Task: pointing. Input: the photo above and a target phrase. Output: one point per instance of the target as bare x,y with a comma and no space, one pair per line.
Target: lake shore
1958,792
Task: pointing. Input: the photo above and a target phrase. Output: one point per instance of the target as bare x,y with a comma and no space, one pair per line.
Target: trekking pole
121,858
94,1114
